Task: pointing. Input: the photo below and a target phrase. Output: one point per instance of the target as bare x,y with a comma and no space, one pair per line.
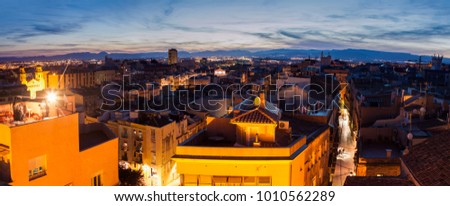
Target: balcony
138,136
138,159
125,157
139,148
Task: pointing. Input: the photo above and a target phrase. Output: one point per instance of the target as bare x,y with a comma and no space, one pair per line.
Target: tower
172,57
325,60
38,74
436,62
23,76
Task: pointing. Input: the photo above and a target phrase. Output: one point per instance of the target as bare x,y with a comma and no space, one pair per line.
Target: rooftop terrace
94,134
29,112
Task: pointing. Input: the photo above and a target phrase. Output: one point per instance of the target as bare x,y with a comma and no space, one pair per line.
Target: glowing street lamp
410,137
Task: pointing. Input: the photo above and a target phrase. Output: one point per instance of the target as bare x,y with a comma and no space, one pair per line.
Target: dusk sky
47,27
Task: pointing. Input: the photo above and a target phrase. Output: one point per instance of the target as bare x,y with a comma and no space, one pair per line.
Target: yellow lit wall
282,164
52,81
278,170
45,138
101,159
57,140
155,154
266,132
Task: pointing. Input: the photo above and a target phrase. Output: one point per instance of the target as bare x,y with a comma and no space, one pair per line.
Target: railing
139,138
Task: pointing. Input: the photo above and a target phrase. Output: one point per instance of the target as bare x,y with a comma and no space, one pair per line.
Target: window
204,180
124,133
183,129
97,180
314,183
153,140
153,158
249,181
241,181
190,180
321,174
167,144
153,133
37,167
264,181
140,135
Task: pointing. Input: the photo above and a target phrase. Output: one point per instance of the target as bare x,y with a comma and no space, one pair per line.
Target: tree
130,177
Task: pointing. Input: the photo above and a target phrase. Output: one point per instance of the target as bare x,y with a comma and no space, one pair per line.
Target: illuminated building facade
37,83
172,56
219,72
148,141
255,147
80,79
55,150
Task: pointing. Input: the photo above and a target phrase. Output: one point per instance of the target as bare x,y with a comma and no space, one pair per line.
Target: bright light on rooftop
51,97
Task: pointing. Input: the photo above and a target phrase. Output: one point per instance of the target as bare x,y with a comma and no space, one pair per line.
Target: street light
410,138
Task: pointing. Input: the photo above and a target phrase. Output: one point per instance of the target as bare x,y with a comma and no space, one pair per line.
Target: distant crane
65,69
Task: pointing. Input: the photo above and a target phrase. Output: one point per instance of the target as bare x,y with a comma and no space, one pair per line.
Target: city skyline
43,28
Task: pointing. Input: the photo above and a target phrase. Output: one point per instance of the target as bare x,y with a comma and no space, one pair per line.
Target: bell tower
38,75
23,76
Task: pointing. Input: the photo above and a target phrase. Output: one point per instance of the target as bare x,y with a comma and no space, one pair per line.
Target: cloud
55,28
383,17
267,36
21,36
337,16
170,8
319,44
290,34
189,29
417,34
406,24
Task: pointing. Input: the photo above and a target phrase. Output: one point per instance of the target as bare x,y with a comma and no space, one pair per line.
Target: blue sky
38,27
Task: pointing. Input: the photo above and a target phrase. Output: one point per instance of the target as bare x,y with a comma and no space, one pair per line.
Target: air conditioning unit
283,125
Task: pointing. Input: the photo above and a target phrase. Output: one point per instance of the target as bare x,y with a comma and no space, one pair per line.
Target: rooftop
152,119
376,181
86,91
378,150
26,111
283,137
256,116
429,162
94,134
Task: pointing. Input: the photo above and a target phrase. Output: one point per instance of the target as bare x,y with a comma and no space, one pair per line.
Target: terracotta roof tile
256,116
429,162
376,181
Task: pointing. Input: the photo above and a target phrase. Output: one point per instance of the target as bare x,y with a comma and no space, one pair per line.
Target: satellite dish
257,101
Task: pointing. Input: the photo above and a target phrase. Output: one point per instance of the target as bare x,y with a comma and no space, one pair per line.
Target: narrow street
347,147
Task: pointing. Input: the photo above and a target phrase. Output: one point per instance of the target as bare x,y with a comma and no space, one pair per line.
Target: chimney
236,112
388,153
262,97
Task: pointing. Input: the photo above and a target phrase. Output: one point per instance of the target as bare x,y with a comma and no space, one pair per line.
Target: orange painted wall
45,138
100,159
58,140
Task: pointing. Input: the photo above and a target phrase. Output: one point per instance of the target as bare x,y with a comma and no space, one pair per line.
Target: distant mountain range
356,55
